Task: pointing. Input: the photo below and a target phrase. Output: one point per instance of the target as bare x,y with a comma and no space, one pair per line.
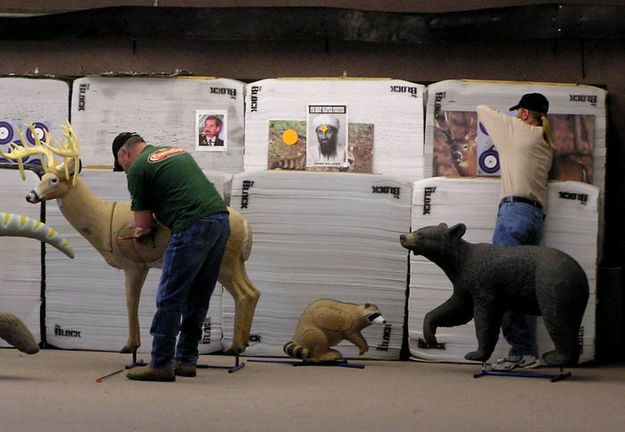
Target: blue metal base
340,363
523,374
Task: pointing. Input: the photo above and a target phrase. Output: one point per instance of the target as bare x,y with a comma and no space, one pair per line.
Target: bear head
432,239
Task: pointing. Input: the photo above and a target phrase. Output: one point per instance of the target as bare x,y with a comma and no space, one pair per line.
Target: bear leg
487,323
562,315
455,311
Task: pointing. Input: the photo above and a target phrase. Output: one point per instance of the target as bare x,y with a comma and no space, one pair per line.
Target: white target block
164,111
571,225
42,102
379,121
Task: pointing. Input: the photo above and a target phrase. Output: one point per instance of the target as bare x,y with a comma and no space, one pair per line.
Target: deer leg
245,297
135,277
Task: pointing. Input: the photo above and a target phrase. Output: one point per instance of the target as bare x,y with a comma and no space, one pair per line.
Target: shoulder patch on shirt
160,155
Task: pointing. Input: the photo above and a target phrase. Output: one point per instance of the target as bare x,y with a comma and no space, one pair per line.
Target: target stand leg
238,365
339,363
522,374
135,362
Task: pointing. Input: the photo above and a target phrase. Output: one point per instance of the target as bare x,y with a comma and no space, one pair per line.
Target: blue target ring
482,128
489,161
38,126
6,133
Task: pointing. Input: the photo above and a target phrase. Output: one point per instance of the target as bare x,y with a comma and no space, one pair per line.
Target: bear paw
478,355
554,358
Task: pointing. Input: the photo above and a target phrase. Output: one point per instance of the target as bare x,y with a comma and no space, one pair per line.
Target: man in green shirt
166,183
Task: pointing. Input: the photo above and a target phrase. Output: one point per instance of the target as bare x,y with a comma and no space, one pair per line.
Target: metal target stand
520,374
238,365
338,363
135,362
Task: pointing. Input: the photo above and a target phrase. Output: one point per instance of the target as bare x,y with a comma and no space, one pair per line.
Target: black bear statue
488,280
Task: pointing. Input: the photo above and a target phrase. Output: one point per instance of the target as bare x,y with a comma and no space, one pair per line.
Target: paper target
6,133
489,161
40,130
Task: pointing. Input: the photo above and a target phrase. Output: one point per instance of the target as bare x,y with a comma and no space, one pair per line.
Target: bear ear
442,225
367,305
457,230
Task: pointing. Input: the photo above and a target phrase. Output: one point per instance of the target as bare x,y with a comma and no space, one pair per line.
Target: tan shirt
524,156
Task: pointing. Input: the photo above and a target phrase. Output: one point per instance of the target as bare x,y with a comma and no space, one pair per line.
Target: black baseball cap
534,102
119,141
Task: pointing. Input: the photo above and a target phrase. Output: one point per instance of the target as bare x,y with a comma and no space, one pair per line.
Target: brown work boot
148,373
185,370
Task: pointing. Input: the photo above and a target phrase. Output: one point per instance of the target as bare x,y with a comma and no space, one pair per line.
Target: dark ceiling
551,21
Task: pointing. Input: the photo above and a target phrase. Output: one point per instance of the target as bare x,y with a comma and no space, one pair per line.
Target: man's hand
143,223
141,231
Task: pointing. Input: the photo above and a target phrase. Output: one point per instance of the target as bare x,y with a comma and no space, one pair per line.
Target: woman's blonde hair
547,132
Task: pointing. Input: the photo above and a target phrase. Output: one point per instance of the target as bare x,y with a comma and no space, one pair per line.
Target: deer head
460,137
59,177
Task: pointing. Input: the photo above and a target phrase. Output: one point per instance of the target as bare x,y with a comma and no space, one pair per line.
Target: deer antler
67,149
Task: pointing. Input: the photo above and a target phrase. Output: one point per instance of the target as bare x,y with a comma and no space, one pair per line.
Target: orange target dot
289,137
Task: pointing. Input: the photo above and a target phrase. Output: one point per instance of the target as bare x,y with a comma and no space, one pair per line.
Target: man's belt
513,199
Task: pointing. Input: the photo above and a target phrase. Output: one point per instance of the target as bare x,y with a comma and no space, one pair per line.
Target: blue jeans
190,268
519,224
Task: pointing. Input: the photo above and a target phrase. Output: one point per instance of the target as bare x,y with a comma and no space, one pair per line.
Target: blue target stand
522,374
338,363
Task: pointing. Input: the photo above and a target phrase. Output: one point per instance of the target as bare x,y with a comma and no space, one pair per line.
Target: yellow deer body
99,221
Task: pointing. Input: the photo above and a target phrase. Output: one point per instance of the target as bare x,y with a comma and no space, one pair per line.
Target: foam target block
571,225
20,257
164,111
42,102
378,126
456,143
85,297
323,235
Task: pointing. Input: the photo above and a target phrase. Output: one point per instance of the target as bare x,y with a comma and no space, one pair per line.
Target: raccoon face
375,317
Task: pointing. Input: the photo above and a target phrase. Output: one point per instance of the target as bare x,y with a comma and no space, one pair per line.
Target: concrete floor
57,391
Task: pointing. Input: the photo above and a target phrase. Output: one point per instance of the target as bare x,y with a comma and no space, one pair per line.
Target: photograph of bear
488,280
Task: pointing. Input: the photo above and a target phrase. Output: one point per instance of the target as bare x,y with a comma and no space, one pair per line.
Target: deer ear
458,230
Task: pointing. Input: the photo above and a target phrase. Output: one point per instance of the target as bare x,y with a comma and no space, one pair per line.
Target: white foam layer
40,101
385,117
162,110
577,115
323,235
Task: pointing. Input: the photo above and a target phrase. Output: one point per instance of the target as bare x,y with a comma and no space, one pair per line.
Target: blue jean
190,268
519,224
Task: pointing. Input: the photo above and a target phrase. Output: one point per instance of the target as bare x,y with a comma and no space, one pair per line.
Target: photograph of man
210,134
326,145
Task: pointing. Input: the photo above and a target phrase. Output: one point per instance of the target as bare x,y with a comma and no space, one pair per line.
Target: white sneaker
529,362
509,362
513,361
